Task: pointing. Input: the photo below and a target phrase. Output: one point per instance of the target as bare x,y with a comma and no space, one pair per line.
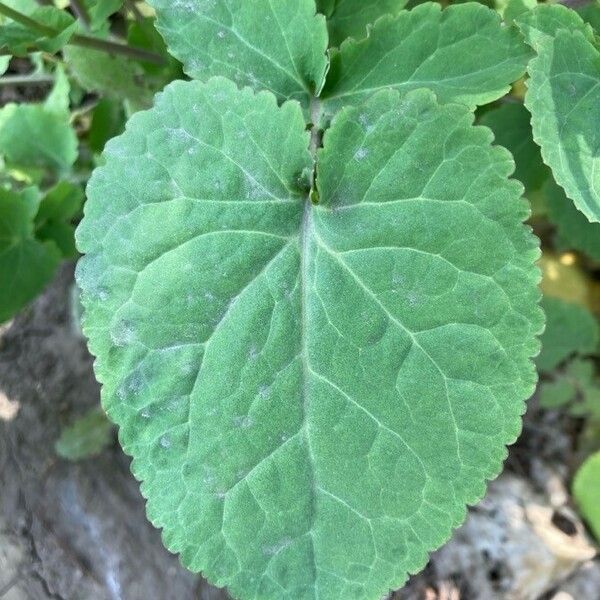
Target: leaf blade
276,46
259,430
26,264
585,491
563,98
350,18
426,47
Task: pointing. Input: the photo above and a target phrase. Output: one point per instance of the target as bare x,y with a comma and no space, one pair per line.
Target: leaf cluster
71,85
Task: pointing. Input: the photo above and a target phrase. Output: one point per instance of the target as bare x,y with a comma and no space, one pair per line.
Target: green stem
138,16
26,80
85,41
30,23
80,10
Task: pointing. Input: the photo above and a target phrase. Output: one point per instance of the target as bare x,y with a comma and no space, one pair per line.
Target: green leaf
53,220
574,230
575,388
462,53
542,24
19,39
114,76
557,394
276,45
100,10
511,126
311,393
4,62
143,34
108,120
88,436
33,137
515,8
326,7
570,329
564,100
586,490
590,13
26,265
58,100
350,18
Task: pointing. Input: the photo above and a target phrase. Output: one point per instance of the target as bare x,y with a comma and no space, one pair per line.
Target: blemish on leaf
361,154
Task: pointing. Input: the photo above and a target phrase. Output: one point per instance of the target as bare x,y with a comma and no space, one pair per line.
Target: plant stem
139,17
26,80
80,10
85,41
30,23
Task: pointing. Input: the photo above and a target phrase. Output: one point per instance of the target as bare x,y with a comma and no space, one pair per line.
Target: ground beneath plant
71,531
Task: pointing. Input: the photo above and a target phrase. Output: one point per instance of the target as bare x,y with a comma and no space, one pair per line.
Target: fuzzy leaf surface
276,45
462,53
311,393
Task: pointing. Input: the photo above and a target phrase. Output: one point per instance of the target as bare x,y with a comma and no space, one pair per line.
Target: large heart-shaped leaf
312,393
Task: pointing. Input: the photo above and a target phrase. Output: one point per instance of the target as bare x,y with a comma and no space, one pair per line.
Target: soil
71,531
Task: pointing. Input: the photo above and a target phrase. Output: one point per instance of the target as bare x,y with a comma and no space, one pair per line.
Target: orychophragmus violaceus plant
308,284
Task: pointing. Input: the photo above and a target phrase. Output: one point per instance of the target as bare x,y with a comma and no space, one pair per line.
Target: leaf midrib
304,242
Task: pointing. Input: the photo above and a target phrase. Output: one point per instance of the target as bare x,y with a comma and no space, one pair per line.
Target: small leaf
512,129
564,100
350,18
570,329
462,53
574,388
586,490
309,391
33,137
4,62
100,10
108,120
53,220
143,34
515,8
276,45
87,437
542,24
556,394
113,76
19,39
574,230
26,265
58,99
